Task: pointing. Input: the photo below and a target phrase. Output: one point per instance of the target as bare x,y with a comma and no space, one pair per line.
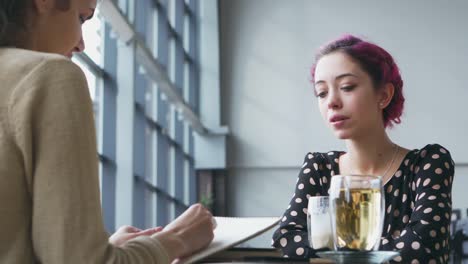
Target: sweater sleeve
51,116
425,239
291,235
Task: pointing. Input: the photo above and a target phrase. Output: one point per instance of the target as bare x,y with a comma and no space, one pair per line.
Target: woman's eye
348,88
321,94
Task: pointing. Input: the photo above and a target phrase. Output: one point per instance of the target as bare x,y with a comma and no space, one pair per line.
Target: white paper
231,231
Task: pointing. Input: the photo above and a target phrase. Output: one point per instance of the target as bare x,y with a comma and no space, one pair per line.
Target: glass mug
318,223
357,211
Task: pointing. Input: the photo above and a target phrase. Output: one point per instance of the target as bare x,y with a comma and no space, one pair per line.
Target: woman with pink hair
359,92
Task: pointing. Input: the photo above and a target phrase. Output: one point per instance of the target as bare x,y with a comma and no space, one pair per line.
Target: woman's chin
342,134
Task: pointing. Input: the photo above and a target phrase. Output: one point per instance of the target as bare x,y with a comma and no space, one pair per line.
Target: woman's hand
126,233
190,232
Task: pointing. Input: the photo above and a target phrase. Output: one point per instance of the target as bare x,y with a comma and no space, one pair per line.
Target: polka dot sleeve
424,237
291,236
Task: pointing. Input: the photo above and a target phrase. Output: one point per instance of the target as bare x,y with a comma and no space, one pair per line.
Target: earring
381,104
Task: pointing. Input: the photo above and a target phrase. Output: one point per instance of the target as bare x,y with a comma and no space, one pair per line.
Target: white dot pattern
300,251
417,205
283,242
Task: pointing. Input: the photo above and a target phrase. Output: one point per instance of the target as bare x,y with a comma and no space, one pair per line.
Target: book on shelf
232,231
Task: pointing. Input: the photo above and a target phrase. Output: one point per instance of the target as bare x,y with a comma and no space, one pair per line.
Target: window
91,64
140,89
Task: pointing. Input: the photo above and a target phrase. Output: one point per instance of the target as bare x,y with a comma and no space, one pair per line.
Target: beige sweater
50,209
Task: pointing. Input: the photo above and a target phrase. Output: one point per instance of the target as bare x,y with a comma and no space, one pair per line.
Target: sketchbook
231,231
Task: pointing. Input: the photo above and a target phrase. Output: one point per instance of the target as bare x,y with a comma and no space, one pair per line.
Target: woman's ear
43,6
386,95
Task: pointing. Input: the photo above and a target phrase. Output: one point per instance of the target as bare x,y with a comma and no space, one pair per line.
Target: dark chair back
459,237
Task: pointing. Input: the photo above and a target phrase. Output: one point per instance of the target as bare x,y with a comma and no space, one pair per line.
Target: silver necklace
395,152
393,160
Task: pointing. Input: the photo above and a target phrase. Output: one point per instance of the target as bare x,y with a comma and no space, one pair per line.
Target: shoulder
52,67
32,73
432,168
20,60
431,153
19,65
319,159
432,159
322,156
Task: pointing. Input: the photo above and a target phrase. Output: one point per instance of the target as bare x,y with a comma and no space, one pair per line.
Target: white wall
267,48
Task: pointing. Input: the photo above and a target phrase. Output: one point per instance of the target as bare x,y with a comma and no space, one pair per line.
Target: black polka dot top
417,206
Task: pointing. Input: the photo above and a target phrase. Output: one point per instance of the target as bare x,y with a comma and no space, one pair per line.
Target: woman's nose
80,46
334,101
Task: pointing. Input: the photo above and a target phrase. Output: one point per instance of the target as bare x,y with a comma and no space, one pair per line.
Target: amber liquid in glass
358,214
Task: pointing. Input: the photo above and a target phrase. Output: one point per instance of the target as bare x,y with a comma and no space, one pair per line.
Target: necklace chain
391,163
395,152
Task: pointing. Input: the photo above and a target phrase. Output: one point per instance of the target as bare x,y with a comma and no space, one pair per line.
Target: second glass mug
318,223
357,211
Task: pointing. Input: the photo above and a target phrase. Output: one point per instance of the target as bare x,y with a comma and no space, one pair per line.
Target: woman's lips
338,121
335,118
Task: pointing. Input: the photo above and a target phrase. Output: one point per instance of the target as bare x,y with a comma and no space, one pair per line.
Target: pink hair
378,63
